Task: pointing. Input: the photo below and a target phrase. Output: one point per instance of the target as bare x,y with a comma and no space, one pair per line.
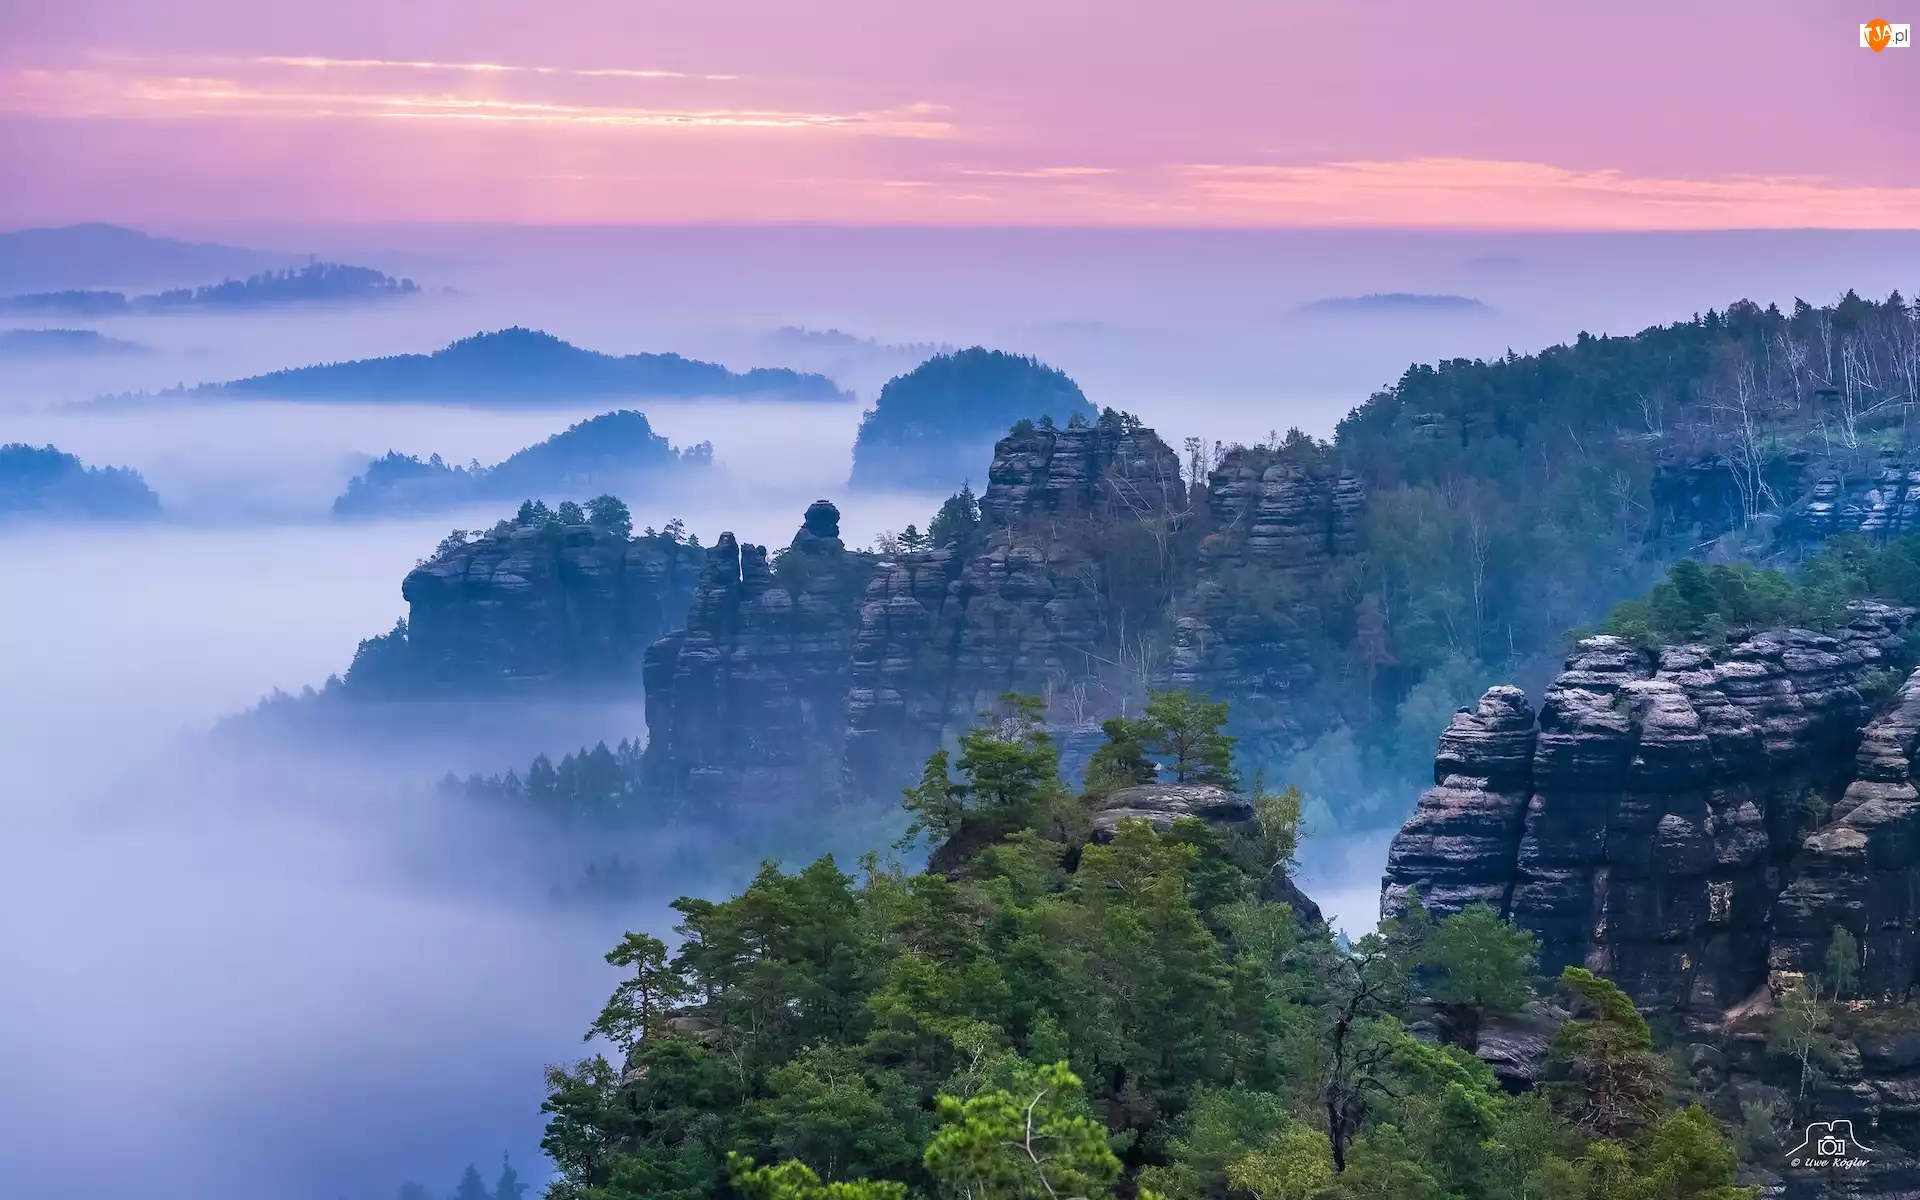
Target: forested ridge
1059,1014
1513,499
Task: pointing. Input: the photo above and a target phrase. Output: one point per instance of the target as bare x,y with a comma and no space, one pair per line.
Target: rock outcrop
1646,822
1088,538
542,605
1275,523
1696,826
750,699
1161,804
1031,608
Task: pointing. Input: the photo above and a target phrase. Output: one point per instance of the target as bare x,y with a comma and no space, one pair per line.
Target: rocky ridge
1695,825
543,605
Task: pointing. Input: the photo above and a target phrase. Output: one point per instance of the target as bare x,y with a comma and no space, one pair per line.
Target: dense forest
42,481
616,449
935,426
521,366
1511,500
1066,1010
316,282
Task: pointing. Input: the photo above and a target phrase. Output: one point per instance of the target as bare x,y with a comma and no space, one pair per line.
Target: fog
302,975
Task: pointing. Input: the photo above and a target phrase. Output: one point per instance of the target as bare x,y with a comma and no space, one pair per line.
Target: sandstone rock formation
1161,804
1644,825
544,605
1275,523
750,699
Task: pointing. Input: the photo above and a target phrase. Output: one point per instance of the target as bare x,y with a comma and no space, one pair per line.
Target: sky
1631,115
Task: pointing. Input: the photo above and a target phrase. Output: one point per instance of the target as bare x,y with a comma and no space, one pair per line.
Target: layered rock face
1644,824
1086,542
1031,608
1274,525
545,605
1860,871
750,699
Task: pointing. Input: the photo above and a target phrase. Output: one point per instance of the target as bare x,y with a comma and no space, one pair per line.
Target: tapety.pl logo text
1883,35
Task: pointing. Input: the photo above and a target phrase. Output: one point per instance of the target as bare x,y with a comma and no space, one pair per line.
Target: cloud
283,87
1490,194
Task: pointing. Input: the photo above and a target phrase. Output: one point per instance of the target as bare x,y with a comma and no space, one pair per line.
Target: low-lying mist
297,972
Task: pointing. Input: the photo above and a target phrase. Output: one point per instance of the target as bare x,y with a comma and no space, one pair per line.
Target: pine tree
1186,732
508,1186
470,1186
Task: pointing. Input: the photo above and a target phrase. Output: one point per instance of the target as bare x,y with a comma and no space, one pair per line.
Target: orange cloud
1482,194
286,87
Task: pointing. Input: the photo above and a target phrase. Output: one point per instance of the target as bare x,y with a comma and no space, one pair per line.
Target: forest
612,449
316,282
1511,500
1059,1013
519,365
44,481
934,426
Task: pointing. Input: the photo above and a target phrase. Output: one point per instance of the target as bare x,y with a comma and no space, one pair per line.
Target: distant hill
314,283
63,343
932,427
521,366
41,481
78,256
616,450
1397,302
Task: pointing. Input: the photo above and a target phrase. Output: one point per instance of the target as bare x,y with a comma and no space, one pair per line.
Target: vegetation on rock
1046,1015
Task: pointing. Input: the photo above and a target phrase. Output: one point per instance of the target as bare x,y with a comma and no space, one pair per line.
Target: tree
570,513
1483,967
797,1181
1122,760
638,1004
1364,987
912,540
609,515
1843,962
508,1185
957,523
1799,1029
1611,1080
1370,641
533,512
470,1186
1009,774
1297,1165
1186,731
1024,1141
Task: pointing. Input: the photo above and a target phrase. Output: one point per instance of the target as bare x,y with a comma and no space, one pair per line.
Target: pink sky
1624,115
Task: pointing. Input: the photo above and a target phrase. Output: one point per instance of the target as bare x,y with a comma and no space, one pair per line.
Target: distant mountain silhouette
313,283
1397,302
75,256
63,343
927,430
521,366
42,481
616,450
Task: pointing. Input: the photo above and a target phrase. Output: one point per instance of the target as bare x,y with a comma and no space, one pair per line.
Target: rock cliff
540,605
750,699
1697,825
1646,822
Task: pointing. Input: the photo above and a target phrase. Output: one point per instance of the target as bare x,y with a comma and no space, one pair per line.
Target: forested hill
1510,500
521,366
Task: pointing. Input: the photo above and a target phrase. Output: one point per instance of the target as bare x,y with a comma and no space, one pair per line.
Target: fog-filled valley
314,973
